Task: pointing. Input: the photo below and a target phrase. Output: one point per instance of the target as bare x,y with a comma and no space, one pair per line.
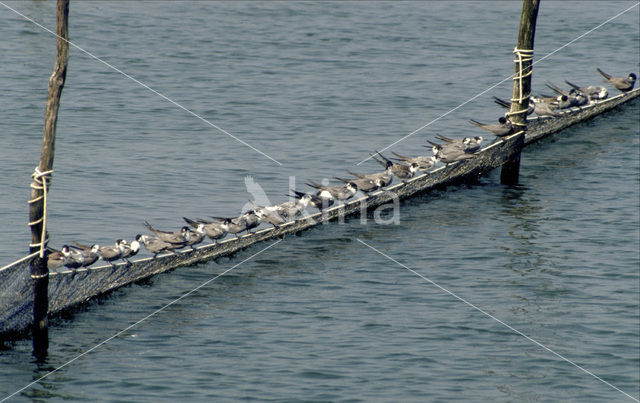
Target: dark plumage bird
467,144
111,253
270,214
214,230
543,109
424,162
623,84
244,222
507,104
197,236
503,128
88,254
364,185
400,171
337,192
449,153
154,244
130,250
177,238
385,177
593,92
569,98
57,258
314,200
293,208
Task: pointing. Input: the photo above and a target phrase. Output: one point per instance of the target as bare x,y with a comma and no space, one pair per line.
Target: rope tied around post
41,181
524,55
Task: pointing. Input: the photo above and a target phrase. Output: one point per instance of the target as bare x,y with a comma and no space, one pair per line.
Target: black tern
364,185
130,249
252,220
272,218
337,192
400,171
75,259
507,104
424,162
237,225
57,258
214,230
623,84
154,245
90,254
385,177
593,92
177,238
245,222
503,128
111,253
197,236
121,245
269,214
314,200
449,153
294,208
543,109
467,144
569,98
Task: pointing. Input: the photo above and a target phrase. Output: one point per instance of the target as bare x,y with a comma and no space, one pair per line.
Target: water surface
321,317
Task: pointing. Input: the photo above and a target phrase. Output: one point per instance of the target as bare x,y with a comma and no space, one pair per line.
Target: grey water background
321,317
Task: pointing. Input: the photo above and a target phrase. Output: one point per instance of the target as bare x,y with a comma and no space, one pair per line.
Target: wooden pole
37,207
521,84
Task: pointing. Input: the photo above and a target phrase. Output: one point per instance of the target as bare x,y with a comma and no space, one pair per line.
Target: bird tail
194,224
355,174
605,75
572,85
298,195
556,89
342,179
81,246
378,161
400,157
219,219
438,146
383,157
502,102
314,184
476,123
146,224
443,138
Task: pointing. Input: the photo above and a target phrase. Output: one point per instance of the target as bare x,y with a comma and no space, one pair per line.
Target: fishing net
16,296
68,288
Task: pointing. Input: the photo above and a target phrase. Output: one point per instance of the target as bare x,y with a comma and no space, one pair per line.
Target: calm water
321,317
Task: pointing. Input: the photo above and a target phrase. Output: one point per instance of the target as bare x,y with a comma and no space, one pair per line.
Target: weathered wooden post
521,84
40,185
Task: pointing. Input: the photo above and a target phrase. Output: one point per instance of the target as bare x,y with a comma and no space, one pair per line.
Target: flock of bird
216,228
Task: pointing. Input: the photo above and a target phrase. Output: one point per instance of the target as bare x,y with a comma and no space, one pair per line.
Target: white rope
524,55
40,183
11,265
